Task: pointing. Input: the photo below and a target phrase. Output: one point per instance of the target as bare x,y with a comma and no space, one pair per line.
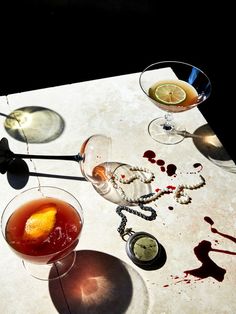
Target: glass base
173,135
52,271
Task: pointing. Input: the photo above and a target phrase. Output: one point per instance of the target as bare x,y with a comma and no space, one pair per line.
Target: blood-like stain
214,230
198,165
160,162
150,155
171,187
171,169
209,220
209,268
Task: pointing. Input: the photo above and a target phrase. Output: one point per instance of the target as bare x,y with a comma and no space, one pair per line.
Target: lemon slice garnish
170,94
40,224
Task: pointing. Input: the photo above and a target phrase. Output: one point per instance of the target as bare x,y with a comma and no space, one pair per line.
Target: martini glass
173,86
43,226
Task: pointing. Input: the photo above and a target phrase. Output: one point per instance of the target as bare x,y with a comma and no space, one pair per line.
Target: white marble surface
117,107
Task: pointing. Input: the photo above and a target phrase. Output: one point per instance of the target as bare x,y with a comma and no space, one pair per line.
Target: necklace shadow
99,283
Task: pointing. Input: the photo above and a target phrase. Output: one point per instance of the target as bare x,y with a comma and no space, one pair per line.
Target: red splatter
214,230
171,169
198,165
150,155
208,268
209,220
160,162
171,187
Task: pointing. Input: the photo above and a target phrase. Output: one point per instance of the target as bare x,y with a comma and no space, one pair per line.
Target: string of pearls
136,176
179,195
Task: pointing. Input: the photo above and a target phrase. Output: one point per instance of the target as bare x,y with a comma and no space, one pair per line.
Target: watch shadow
99,283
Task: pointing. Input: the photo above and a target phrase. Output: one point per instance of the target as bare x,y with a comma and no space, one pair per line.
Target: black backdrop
52,42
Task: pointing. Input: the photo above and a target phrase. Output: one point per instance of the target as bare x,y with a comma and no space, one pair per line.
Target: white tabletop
108,282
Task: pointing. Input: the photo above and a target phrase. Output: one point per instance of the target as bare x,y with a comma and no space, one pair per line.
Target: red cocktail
43,226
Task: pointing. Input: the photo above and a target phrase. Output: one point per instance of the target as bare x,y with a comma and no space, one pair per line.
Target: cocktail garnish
99,173
40,224
170,94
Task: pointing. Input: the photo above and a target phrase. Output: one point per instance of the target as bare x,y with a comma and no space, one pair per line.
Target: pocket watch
143,248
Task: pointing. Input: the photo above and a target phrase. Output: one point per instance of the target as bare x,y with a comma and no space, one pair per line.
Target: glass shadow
209,145
99,283
34,124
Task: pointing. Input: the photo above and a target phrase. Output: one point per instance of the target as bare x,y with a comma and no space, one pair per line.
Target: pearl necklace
179,195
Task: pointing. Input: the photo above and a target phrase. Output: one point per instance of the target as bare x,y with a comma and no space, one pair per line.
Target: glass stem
168,125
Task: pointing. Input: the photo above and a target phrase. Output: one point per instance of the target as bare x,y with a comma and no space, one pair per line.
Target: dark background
52,42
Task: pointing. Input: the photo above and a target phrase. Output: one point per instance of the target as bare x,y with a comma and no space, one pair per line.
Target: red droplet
171,168
160,162
171,187
198,165
152,160
149,154
209,220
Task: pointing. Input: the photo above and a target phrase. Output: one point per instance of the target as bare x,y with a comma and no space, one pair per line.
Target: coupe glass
173,86
42,226
94,151
98,168
95,154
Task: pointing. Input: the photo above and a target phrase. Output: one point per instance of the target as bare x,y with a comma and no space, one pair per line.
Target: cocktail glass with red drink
42,226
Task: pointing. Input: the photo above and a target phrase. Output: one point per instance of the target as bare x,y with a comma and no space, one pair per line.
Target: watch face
142,248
